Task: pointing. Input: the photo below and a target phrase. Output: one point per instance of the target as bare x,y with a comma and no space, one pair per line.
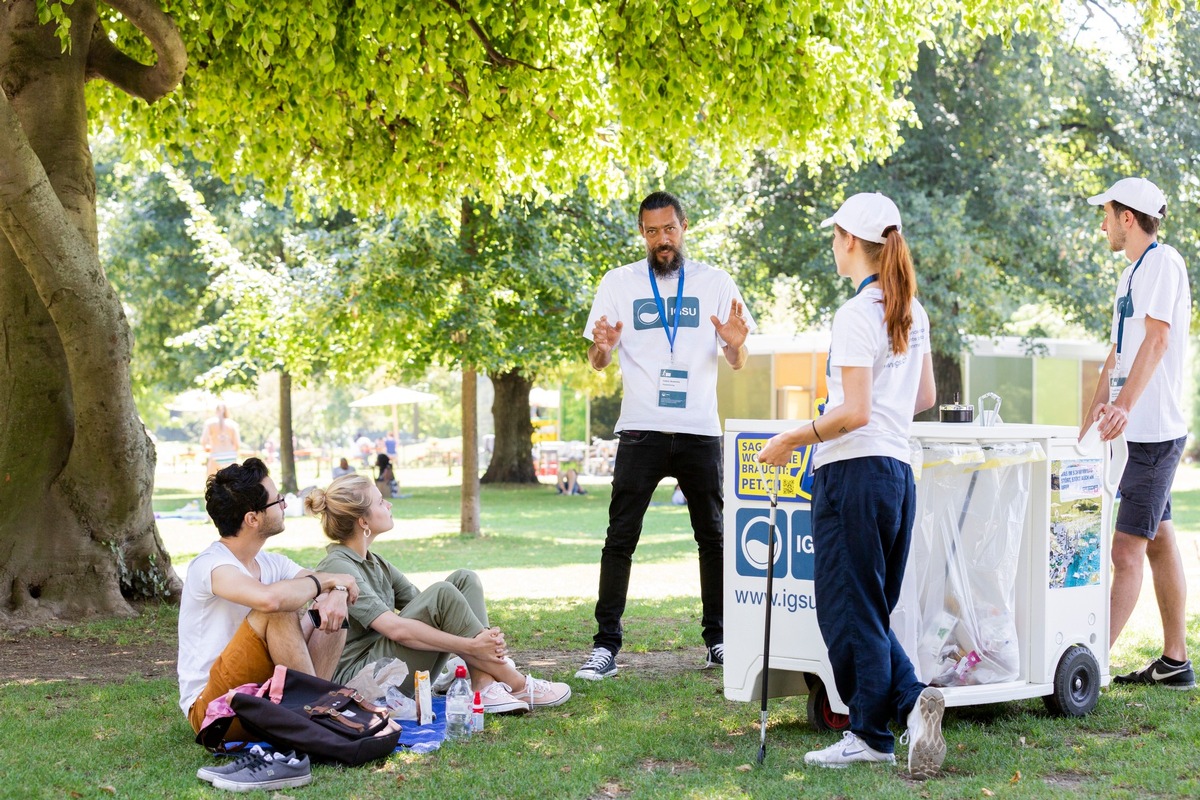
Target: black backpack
328,721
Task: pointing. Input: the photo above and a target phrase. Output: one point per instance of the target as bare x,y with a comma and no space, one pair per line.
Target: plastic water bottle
458,706
477,713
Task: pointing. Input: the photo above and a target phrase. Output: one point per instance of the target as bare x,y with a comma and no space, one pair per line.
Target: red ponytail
898,281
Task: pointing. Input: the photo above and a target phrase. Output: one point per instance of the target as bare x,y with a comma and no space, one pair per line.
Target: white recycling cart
1005,595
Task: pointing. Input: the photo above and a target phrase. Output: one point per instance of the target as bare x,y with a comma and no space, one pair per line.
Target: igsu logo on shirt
645,313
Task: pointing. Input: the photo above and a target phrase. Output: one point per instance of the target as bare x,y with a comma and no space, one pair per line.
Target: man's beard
666,260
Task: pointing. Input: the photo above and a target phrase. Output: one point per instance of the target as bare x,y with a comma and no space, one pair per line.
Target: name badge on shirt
1115,384
672,388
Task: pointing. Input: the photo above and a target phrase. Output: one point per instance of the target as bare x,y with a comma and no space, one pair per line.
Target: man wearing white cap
1139,396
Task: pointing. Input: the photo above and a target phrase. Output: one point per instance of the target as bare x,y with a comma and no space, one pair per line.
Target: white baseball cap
867,216
1137,193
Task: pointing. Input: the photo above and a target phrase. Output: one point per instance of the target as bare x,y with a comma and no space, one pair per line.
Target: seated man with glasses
240,611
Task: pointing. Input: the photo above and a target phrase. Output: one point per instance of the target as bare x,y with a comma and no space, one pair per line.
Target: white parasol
394,396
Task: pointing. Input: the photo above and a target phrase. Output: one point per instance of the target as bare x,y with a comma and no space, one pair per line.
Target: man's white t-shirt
1161,291
207,622
860,339
664,391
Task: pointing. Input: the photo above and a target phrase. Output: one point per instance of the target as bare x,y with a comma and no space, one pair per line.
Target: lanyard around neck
866,282
672,328
1125,304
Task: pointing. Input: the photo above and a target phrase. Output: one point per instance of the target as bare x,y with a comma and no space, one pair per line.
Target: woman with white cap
879,374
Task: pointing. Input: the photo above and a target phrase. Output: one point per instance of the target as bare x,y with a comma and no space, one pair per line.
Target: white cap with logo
867,216
1137,193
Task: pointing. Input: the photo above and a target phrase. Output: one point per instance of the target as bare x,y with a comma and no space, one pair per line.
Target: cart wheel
820,715
1076,684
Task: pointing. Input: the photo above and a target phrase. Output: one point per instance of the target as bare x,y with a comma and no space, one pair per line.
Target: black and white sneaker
274,771
601,664
716,656
1160,673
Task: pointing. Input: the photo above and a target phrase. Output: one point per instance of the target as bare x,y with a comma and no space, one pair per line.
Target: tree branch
494,55
107,61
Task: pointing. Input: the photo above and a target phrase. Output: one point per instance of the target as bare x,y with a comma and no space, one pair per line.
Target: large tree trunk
470,454
512,461
77,532
287,450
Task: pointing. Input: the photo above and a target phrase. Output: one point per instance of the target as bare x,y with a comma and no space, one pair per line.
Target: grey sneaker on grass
601,664
274,771
254,755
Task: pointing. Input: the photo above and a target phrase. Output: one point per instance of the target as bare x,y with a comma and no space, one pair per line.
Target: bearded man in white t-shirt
1139,395
672,320
240,612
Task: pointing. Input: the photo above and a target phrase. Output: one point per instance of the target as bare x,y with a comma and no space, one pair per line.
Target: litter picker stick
772,482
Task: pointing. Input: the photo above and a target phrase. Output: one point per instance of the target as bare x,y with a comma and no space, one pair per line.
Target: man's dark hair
657,200
1147,223
235,491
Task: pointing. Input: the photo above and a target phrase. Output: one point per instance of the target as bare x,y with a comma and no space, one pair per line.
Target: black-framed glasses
281,501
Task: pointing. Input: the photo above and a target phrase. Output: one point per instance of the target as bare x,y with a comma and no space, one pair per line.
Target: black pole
773,492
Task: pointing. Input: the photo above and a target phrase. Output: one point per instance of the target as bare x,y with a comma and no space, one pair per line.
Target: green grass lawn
636,736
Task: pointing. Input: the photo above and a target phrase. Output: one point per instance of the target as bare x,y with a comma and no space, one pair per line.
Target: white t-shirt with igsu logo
860,339
690,403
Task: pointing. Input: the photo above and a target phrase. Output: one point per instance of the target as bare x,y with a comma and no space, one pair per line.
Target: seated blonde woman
393,619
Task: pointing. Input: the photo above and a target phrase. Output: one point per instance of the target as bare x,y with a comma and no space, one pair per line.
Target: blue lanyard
673,328
1125,304
867,281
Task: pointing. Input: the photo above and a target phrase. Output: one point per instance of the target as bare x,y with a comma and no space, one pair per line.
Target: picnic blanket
425,738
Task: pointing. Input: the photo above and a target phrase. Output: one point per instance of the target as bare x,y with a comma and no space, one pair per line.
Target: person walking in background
220,438
864,498
1139,395
672,319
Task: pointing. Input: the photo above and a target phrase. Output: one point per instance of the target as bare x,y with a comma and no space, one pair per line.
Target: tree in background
370,105
991,183
1161,139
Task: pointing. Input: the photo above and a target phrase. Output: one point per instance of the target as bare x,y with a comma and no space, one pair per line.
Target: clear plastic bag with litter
972,500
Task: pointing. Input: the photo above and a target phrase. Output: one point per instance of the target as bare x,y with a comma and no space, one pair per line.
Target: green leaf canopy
383,105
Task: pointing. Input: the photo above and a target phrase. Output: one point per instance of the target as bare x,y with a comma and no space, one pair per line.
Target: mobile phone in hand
315,616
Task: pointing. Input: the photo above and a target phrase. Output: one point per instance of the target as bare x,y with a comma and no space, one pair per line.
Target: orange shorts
244,660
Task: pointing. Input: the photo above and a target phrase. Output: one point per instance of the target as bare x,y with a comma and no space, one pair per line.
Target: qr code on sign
788,486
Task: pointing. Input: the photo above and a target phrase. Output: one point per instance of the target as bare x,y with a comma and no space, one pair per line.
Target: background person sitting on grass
568,479
393,619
